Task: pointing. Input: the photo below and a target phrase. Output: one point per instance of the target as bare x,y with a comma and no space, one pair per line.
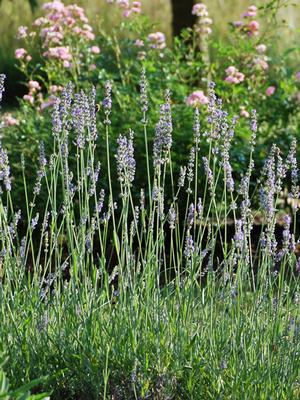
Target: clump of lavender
125,158
189,249
107,102
80,118
144,93
209,175
190,169
239,235
227,133
163,134
253,129
294,171
196,128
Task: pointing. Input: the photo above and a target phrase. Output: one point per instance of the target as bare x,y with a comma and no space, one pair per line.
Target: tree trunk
182,15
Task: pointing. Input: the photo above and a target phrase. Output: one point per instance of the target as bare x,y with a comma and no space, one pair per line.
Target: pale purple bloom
239,235
144,92
163,134
172,217
34,221
4,170
125,158
2,89
107,102
189,246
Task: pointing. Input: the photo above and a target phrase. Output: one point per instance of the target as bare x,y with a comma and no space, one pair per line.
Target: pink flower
40,21
20,53
261,63
123,3
233,75
9,120
251,12
29,98
200,10
230,70
28,58
196,99
70,21
136,10
22,32
55,5
34,86
87,34
55,88
270,90
261,48
95,50
139,43
126,13
92,67
253,28
297,76
136,7
62,53
231,79
244,113
66,64
157,40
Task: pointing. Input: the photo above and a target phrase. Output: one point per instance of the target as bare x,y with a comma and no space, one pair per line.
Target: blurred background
168,16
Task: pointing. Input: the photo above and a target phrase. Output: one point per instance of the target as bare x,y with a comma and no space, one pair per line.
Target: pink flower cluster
34,87
9,120
157,40
128,9
60,53
22,32
248,25
60,25
260,62
203,23
233,75
200,10
251,12
270,91
244,113
196,99
21,54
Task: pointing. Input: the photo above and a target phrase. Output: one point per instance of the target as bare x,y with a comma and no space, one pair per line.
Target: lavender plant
139,294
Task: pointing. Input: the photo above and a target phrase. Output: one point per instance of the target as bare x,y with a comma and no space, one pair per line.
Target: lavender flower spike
107,102
2,89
